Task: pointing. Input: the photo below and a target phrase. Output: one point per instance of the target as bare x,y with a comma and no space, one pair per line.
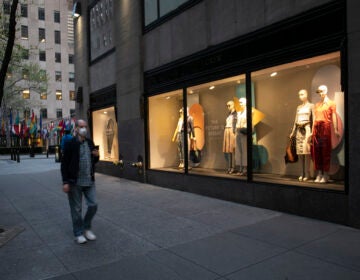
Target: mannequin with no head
179,134
325,117
229,137
302,131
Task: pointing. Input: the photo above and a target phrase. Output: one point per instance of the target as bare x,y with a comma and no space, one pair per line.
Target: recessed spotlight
273,74
238,82
212,87
191,91
167,97
105,112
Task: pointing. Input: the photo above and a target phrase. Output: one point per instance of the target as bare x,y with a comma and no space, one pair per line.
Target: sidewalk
152,233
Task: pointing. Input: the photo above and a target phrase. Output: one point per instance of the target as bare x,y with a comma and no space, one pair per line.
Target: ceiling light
273,74
212,87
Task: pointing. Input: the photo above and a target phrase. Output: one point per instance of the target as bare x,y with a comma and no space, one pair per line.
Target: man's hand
66,188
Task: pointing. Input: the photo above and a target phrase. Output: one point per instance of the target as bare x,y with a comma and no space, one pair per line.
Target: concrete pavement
148,232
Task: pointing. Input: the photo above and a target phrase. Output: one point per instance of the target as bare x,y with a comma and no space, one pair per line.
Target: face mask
82,131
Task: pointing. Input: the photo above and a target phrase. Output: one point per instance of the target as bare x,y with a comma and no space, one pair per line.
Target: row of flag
33,128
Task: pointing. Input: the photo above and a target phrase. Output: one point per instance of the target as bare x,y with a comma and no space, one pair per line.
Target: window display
105,133
316,124
302,101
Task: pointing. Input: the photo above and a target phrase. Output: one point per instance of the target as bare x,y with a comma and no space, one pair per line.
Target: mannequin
302,131
241,139
179,134
229,137
325,117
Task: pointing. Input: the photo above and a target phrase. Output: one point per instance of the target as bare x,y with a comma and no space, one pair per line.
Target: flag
33,126
40,124
16,128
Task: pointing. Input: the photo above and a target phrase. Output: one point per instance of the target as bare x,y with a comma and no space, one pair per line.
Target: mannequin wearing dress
229,137
302,131
325,117
241,138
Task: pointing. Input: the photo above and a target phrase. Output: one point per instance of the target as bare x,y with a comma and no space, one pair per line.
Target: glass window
41,34
57,16
57,57
43,113
24,32
71,77
57,37
105,131
58,76
72,95
297,100
72,113
26,93
42,74
41,13
25,74
155,9
59,113
58,95
42,55
6,7
25,54
43,96
27,113
24,10
71,59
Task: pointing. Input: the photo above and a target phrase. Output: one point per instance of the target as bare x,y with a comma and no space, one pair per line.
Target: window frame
41,13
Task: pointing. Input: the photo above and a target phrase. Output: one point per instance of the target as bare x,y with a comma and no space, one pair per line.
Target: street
149,232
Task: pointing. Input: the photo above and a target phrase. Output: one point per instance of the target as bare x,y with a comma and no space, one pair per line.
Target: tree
9,47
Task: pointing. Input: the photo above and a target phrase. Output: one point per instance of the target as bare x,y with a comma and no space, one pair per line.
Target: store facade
199,101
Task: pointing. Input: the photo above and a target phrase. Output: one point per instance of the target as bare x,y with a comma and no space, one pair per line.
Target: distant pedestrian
77,170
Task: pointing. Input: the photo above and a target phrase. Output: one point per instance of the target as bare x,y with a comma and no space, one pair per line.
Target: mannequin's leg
306,167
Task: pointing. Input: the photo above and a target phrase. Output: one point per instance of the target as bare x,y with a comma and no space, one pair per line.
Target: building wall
211,22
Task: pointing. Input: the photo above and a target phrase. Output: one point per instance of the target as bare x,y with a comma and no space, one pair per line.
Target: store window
43,96
213,119
105,133
299,99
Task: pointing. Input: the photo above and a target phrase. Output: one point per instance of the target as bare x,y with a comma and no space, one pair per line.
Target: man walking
77,170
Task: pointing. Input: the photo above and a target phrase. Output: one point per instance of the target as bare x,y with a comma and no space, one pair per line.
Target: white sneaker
80,239
324,179
90,235
300,178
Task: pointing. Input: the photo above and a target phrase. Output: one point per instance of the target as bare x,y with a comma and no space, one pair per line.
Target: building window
155,9
24,10
59,113
27,113
43,96
57,16
41,13
104,123
43,113
71,77
25,54
72,113
25,74
41,34
58,57
57,35
42,55
6,7
24,32
42,74
72,95
282,101
58,95
58,76
26,94
71,59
